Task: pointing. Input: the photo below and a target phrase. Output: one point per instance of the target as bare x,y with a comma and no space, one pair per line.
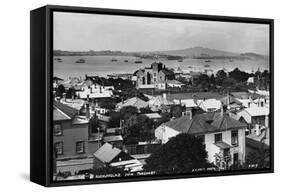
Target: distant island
194,53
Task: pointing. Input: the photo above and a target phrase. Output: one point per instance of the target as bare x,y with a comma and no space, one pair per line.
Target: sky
84,32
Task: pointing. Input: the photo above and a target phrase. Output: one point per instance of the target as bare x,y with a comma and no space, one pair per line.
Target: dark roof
203,123
69,111
245,95
57,79
195,95
167,71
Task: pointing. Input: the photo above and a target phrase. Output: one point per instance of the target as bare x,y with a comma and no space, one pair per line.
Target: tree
239,76
176,111
221,76
203,81
181,154
70,93
60,90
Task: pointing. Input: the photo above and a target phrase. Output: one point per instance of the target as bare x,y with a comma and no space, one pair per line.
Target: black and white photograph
147,96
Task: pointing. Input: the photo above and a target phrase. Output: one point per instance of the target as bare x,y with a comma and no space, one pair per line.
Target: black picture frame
41,68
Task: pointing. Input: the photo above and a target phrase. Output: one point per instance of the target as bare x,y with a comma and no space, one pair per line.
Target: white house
134,101
256,116
95,91
224,137
209,105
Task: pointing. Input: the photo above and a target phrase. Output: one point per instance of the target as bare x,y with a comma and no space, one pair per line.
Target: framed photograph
122,95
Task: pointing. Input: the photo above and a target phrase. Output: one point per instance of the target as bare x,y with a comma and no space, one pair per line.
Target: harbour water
103,65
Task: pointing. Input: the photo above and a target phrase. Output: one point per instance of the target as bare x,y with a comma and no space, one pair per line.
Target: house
250,80
108,155
223,137
72,148
174,83
115,140
209,105
134,101
153,116
70,132
258,145
232,103
157,103
95,91
256,116
155,76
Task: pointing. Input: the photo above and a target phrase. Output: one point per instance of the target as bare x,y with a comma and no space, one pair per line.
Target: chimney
100,89
257,129
249,104
222,110
64,96
87,110
165,96
266,122
91,90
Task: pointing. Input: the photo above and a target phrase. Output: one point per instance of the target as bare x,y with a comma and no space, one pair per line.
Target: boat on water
138,61
80,61
189,67
180,60
208,60
207,65
113,60
58,59
126,61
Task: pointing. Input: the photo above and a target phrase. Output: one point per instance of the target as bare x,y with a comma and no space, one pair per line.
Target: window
218,137
234,137
59,148
80,147
57,129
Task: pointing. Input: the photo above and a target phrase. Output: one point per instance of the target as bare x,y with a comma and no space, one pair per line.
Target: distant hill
198,52
253,56
194,52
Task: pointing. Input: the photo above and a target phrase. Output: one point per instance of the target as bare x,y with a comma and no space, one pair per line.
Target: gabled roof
173,81
209,104
204,123
60,108
196,95
107,153
134,101
112,138
229,99
257,111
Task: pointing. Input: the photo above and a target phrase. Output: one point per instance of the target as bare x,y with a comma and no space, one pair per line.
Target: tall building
155,76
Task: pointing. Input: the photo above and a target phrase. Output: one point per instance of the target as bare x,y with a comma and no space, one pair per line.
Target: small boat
138,61
58,59
80,61
207,61
207,65
180,60
126,61
189,67
113,60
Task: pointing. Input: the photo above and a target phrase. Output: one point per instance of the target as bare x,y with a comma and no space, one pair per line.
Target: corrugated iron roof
69,111
107,153
203,123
